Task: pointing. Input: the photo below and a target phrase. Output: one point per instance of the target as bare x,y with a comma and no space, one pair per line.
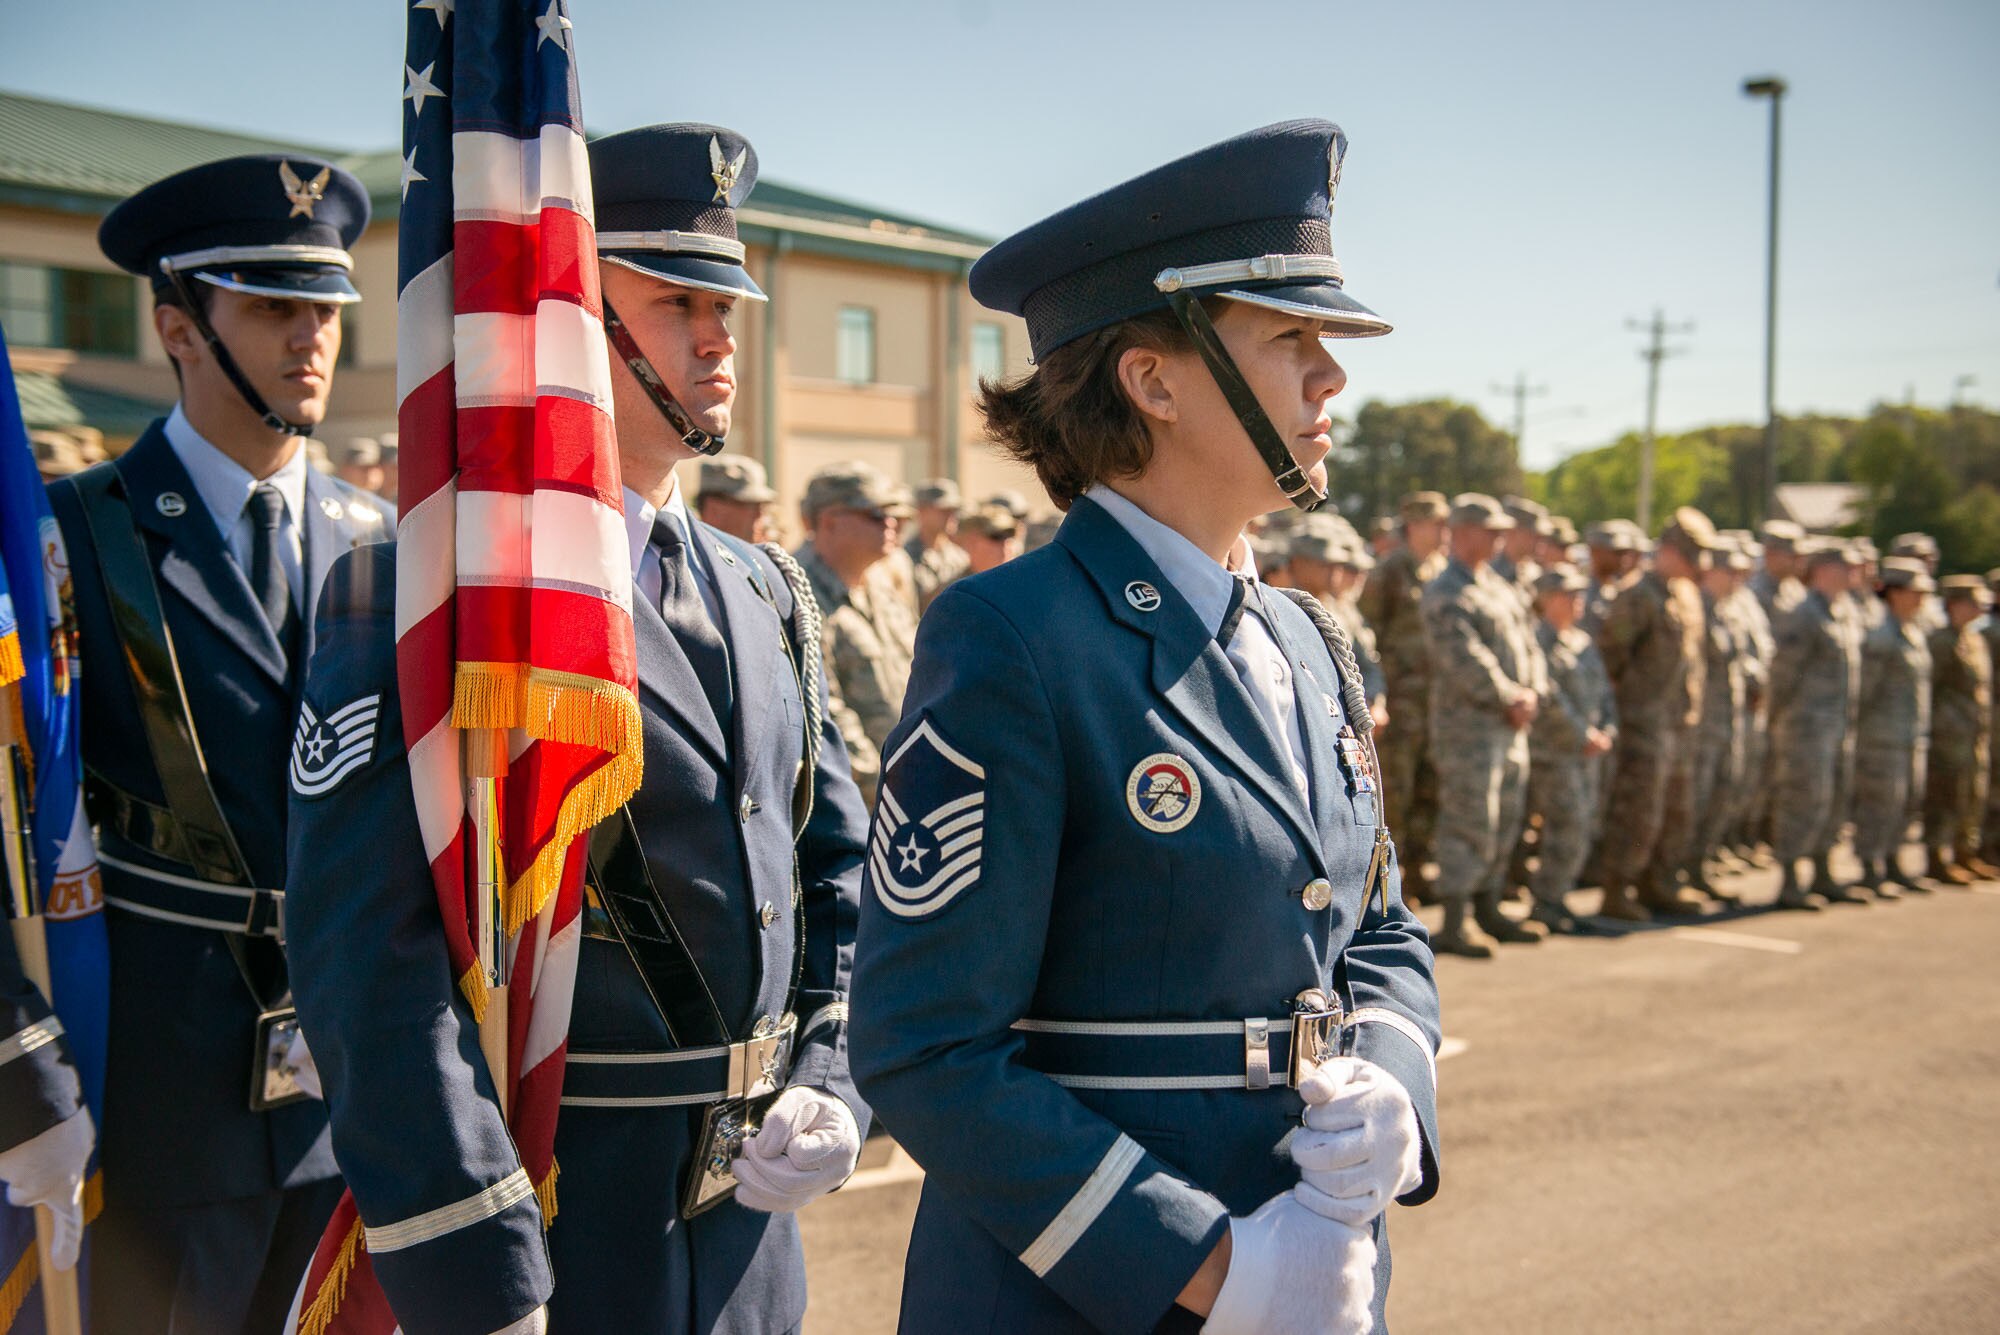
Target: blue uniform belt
169,897
1193,1054
1164,1054
680,1077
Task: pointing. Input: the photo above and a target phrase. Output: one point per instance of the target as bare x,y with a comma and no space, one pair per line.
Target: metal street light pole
1774,88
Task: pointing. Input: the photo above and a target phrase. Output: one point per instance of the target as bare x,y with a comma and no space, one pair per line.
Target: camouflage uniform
1652,647
1892,737
1391,605
1562,780
934,567
1719,738
1990,628
1483,658
1815,680
869,636
1961,720
1747,614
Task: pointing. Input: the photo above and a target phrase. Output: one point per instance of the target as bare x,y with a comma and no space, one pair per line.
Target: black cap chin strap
1290,476
186,296
692,436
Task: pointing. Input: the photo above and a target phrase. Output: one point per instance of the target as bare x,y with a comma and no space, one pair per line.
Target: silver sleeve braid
1352,698
805,630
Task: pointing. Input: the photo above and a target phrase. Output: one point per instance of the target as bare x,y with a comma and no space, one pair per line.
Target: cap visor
294,284
1344,316
689,271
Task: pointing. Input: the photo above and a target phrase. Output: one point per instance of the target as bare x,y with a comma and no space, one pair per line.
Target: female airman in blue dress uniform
1135,983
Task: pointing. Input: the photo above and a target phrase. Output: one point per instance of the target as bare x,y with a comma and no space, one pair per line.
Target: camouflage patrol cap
1010,500
989,521
56,454
1563,530
1819,551
1425,505
1959,588
1920,545
1993,579
358,452
1608,534
1561,579
1383,527
1477,509
1864,550
1905,572
1332,548
1782,535
1690,530
939,493
854,485
1527,514
733,477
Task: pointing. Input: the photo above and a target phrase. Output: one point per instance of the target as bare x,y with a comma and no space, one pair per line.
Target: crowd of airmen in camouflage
1560,710
1715,699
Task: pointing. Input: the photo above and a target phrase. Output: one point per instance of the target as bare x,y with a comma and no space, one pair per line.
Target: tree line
1934,470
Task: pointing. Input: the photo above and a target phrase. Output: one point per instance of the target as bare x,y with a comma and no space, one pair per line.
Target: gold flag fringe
333,1289
556,707
473,984
14,1293
545,1194
93,1198
12,666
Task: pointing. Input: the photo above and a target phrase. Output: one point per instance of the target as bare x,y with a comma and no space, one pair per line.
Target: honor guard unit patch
327,750
1163,793
931,829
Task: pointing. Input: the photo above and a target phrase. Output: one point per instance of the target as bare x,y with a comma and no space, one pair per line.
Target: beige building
870,347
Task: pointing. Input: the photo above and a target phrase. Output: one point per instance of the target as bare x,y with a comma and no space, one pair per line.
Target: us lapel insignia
1143,596
171,504
331,508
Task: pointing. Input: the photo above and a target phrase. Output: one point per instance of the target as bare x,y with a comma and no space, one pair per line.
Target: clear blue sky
1523,177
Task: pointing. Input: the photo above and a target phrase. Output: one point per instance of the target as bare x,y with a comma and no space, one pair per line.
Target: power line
1653,354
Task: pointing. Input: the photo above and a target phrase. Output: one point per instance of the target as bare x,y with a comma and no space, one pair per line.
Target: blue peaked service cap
1249,219
665,198
268,224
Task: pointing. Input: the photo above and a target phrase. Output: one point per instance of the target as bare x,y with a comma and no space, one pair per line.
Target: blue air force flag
931,829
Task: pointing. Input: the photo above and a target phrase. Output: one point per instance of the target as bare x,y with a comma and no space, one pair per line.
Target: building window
854,349
76,309
989,351
24,304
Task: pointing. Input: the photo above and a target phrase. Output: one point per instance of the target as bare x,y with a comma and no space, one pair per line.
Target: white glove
1359,1148
534,1323
48,1170
301,1067
1293,1272
807,1146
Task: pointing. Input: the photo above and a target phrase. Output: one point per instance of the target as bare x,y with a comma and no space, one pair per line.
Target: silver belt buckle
1317,1022
759,1064
758,1069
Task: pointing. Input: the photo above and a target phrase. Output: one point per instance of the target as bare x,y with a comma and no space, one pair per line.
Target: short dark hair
1070,419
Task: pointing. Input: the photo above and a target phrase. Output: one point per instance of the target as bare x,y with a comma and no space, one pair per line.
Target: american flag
513,583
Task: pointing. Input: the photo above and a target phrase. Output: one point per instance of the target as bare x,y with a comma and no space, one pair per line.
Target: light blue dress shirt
223,486
1253,650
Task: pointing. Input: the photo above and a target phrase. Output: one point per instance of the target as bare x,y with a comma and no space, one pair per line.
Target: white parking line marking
1715,936
1451,1047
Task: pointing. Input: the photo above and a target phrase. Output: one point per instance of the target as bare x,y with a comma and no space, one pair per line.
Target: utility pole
1520,391
1655,352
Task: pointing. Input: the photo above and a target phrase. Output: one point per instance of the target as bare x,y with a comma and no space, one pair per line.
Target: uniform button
747,808
1317,894
768,915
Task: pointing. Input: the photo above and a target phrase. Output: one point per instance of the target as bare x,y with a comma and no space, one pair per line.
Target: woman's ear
1145,376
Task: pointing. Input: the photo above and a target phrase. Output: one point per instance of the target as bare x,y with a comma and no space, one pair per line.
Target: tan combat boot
1458,936
1622,905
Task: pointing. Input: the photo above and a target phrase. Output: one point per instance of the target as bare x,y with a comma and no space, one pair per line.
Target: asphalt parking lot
1760,1121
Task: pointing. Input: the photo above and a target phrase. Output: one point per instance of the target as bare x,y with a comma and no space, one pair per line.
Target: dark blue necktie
687,617
267,568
